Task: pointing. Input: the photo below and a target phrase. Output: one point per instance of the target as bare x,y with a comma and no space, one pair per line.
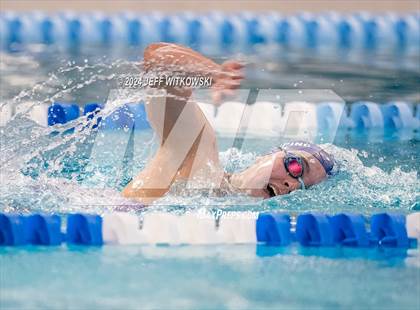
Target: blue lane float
61,113
389,230
34,229
84,229
399,117
366,116
43,229
273,229
12,230
349,230
314,230
129,116
331,118
217,31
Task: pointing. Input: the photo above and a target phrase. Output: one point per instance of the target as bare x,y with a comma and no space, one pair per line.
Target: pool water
52,170
65,176
208,277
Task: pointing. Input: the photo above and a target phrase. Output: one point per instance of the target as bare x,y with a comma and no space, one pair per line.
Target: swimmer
293,166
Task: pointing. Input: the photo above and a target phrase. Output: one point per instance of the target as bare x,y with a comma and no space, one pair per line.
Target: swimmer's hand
167,56
226,80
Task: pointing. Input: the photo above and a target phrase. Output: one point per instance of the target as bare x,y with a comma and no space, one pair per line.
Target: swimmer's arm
178,58
167,57
147,185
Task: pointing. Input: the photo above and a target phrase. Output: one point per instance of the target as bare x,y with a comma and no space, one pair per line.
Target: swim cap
327,160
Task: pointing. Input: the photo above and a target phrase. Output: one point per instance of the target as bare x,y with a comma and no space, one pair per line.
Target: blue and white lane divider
128,116
400,120
214,31
277,229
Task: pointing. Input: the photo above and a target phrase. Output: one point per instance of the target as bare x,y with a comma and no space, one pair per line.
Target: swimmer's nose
288,186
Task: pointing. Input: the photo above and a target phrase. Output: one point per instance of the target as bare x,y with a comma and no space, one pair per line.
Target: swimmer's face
268,177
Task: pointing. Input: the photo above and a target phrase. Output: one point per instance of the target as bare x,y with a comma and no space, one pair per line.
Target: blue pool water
225,277
43,171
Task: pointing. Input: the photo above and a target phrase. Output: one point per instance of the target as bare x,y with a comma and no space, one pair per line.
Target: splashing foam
44,169
40,166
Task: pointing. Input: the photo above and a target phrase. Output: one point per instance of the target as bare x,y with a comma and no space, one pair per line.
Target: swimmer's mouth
271,190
